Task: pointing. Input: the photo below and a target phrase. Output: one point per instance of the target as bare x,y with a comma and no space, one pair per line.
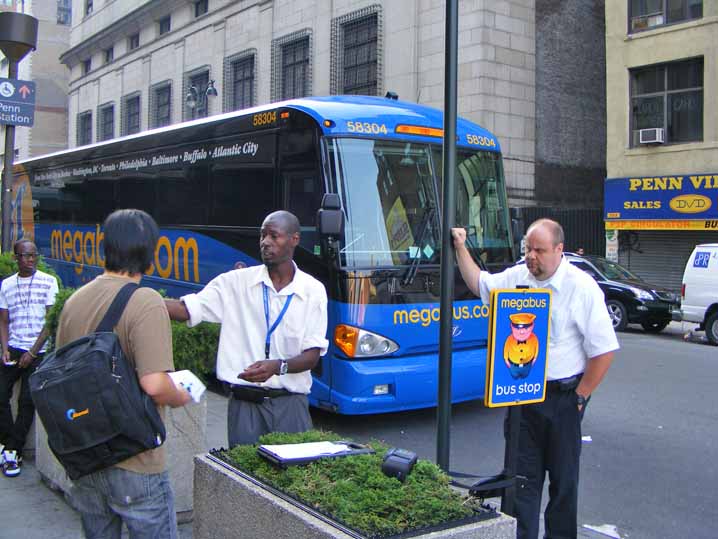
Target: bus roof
338,115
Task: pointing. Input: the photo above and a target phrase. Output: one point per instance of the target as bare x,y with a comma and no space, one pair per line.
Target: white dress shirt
236,300
580,326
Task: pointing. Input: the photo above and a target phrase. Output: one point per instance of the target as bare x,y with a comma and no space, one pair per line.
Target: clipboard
296,454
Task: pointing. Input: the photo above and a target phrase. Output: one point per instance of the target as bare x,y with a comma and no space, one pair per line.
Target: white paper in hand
189,381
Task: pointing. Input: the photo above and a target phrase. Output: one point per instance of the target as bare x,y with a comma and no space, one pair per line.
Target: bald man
581,347
274,325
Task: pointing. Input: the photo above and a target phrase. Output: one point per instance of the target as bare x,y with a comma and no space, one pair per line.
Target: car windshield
614,271
390,194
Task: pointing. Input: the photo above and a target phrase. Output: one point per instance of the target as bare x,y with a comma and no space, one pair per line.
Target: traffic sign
519,322
17,102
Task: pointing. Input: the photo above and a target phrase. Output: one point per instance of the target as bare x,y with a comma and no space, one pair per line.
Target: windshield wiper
414,265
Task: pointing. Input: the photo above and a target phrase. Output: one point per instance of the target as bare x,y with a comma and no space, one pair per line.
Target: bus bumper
412,382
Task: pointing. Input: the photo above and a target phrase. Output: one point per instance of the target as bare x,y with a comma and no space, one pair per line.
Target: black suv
628,297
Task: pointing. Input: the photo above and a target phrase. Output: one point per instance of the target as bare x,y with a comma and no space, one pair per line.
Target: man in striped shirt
25,298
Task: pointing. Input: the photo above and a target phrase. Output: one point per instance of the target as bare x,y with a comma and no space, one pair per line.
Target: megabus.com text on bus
84,247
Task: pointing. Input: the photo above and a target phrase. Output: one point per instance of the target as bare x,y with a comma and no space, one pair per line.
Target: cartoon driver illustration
522,346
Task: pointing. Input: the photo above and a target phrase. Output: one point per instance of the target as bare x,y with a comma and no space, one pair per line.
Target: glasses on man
27,256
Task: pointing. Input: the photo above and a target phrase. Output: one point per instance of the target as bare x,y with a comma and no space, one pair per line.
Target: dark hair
130,240
18,243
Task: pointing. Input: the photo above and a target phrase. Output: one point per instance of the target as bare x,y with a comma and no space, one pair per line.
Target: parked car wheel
617,312
655,327
712,328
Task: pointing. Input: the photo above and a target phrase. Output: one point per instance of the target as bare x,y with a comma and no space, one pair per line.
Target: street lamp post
18,36
196,98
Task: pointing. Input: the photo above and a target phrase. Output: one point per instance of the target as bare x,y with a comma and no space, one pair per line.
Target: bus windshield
391,195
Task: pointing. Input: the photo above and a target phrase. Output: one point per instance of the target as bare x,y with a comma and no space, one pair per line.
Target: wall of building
42,66
496,58
623,52
570,103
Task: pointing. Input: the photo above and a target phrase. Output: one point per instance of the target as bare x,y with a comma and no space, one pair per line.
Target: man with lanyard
274,325
24,300
581,348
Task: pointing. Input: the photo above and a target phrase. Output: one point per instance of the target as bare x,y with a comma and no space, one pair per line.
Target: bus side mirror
330,217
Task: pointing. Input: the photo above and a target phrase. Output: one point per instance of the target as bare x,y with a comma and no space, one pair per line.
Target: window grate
161,104
106,122
292,66
356,45
131,114
84,128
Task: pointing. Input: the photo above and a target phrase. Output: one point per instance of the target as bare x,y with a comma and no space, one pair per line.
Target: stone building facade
132,64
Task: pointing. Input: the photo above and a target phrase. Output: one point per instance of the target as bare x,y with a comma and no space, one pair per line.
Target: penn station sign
675,202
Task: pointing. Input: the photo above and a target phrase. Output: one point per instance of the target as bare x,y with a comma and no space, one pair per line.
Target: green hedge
353,490
194,348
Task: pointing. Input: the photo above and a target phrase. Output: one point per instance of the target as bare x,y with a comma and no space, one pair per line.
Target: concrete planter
226,505
186,437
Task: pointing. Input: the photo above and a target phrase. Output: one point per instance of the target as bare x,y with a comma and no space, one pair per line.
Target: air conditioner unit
651,136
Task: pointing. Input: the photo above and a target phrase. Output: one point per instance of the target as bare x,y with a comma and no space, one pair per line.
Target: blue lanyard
266,317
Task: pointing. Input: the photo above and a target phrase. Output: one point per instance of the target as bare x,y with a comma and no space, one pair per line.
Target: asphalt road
651,469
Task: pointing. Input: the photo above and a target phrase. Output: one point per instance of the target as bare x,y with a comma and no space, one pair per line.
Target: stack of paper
189,381
306,450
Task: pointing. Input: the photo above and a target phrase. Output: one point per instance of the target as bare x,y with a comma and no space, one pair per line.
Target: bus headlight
356,342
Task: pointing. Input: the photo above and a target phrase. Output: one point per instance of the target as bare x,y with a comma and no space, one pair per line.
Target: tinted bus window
241,195
184,198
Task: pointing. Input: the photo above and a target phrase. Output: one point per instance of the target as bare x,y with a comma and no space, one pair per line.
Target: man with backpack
24,300
137,490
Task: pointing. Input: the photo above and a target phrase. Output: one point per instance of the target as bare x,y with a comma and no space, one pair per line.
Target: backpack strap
113,314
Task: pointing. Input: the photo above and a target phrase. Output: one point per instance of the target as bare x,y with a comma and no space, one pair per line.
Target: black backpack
90,401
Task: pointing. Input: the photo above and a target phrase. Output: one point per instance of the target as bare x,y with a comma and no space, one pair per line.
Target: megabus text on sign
176,257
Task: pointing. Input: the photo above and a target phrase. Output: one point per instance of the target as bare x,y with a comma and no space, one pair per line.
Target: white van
699,293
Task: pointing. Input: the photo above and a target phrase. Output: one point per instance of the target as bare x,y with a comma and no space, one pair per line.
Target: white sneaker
11,464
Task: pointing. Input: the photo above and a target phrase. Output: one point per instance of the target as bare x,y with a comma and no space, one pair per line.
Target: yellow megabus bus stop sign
519,323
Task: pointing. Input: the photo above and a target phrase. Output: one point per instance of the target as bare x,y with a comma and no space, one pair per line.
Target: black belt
255,393
564,384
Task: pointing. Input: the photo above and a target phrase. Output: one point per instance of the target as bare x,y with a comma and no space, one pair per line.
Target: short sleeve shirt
26,300
580,326
144,333
236,300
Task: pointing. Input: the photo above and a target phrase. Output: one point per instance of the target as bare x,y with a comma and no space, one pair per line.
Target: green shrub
193,348
353,490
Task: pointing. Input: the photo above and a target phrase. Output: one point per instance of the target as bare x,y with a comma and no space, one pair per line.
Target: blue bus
210,182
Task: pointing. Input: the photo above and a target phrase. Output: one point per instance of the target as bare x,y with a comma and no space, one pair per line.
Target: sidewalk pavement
31,510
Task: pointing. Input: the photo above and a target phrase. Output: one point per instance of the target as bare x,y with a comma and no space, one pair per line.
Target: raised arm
470,271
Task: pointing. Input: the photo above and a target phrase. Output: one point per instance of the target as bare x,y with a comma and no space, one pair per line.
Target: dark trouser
247,421
13,433
550,441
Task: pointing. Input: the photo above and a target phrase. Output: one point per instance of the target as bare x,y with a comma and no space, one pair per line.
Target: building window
165,25
64,12
106,122
295,64
356,44
668,97
239,82
109,55
86,66
131,115
198,107
360,56
161,104
88,7
201,7
84,128
134,41
647,14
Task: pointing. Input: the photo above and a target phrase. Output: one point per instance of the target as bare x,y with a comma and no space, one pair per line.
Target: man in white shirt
581,347
25,298
274,325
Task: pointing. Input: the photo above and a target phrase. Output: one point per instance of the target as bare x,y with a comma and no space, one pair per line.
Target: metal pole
7,173
447,251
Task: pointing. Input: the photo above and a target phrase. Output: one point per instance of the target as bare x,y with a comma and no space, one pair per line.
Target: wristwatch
581,400
283,367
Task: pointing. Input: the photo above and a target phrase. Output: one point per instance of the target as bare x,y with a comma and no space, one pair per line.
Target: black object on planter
398,463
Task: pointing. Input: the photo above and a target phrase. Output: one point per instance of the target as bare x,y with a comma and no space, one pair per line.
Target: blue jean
144,502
